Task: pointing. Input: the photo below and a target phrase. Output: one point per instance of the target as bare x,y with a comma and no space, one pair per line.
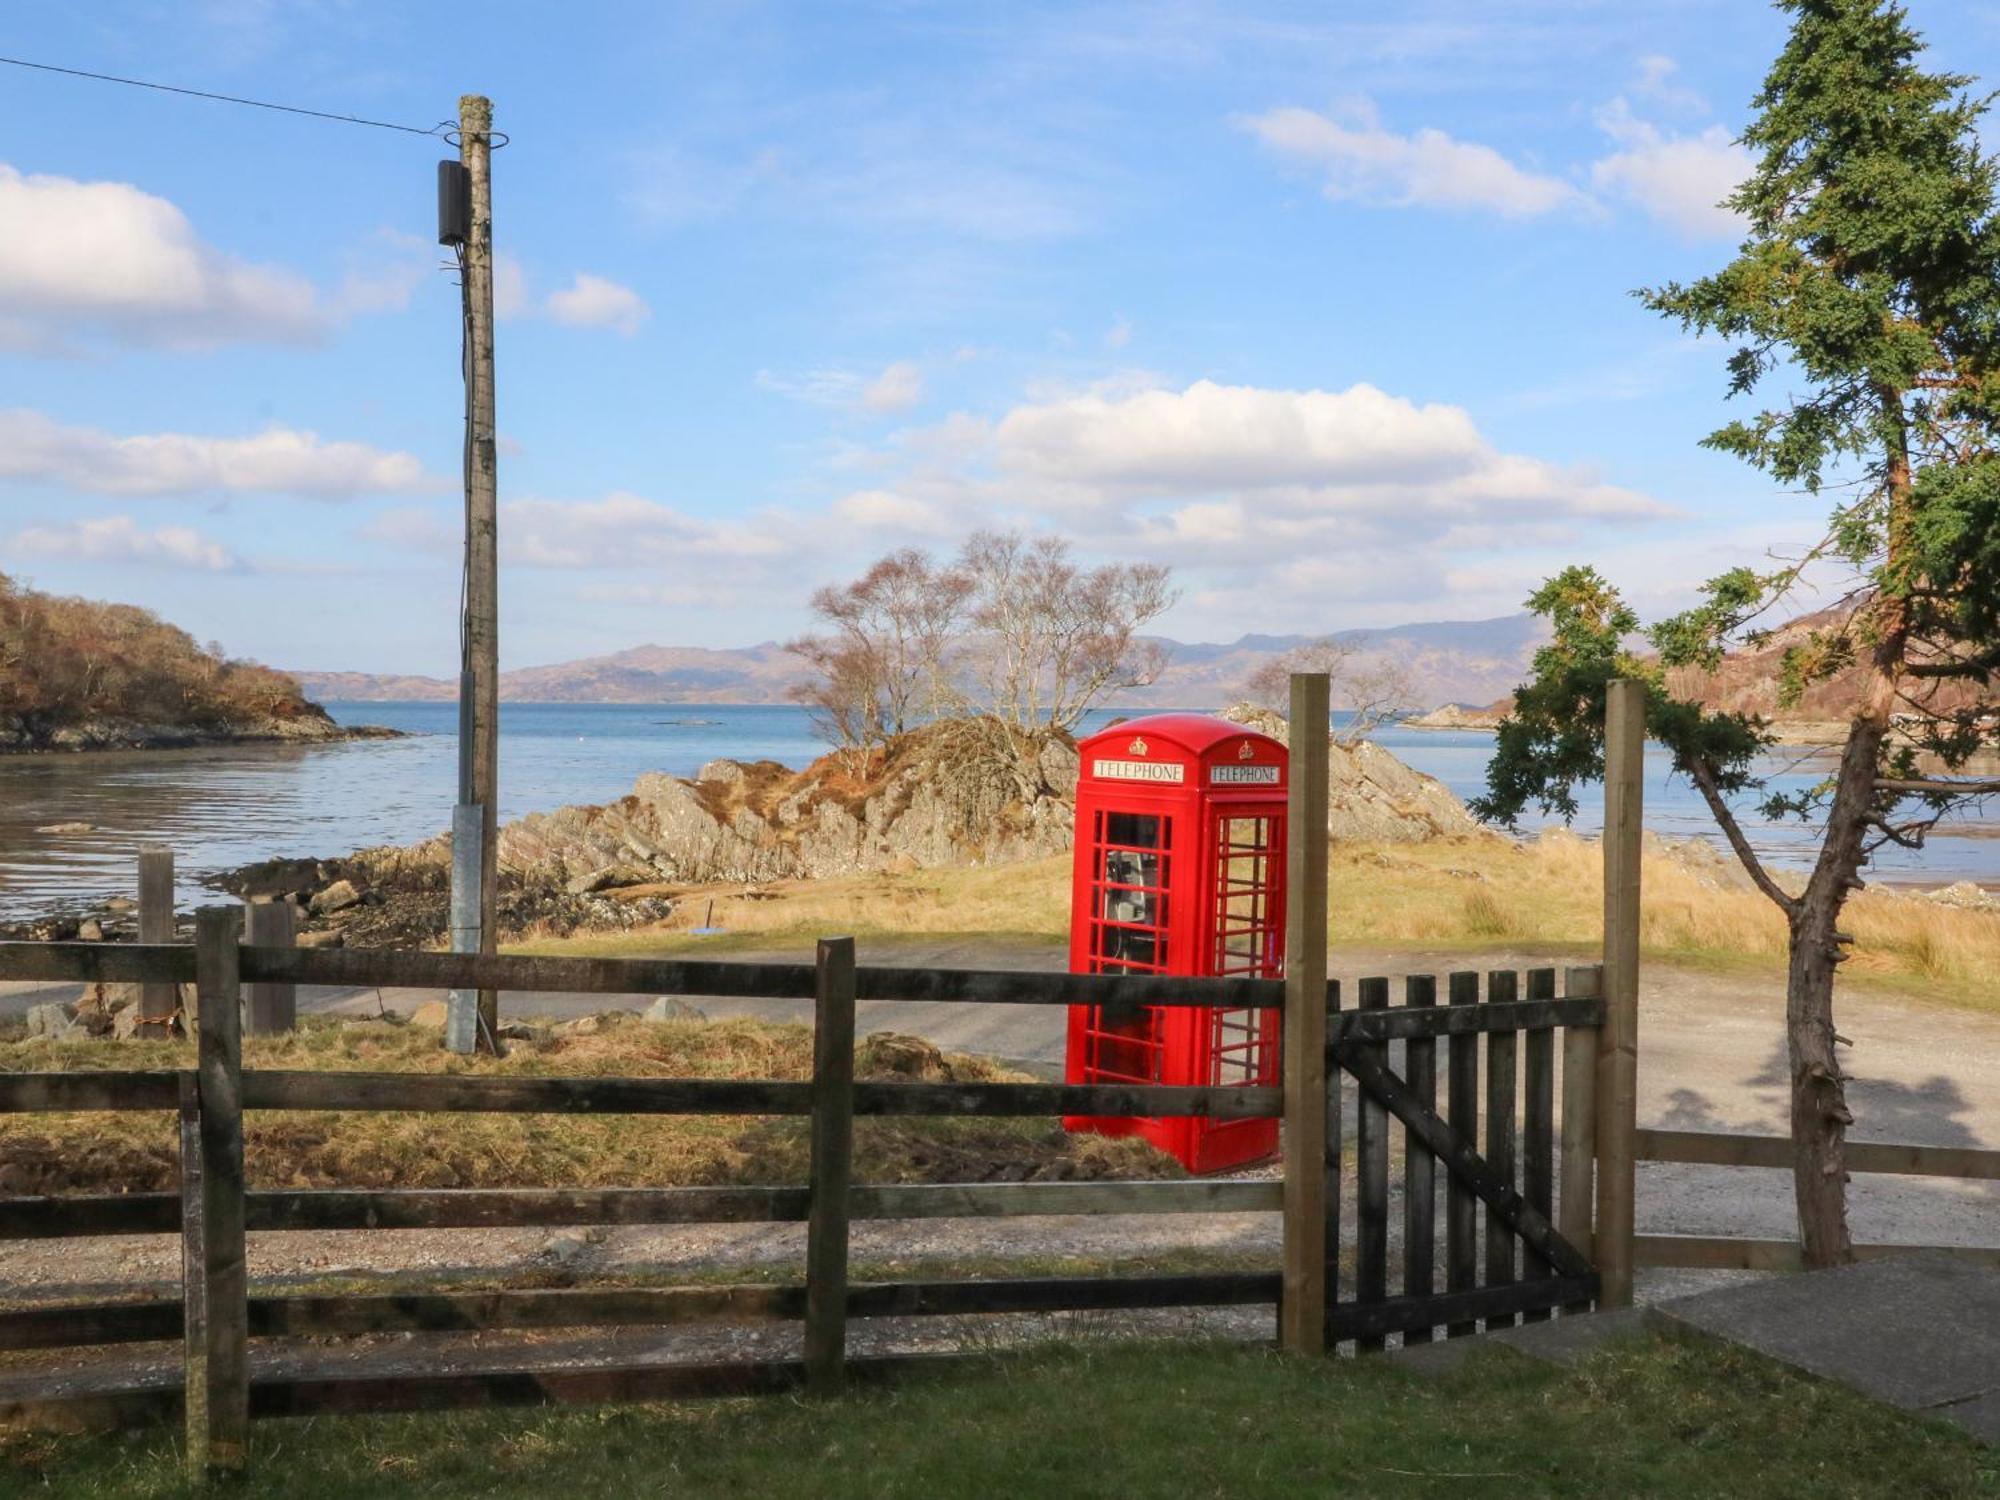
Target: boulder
55,1021
673,1008
1963,893
90,930
324,938
337,897
609,1020
95,1014
525,1031
901,1056
431,1015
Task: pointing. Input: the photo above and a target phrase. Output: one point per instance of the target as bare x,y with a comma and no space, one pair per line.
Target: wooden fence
1531,1262
1740,1253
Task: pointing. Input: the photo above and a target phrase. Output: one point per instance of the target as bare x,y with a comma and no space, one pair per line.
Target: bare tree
879,668
1374,690
1051,638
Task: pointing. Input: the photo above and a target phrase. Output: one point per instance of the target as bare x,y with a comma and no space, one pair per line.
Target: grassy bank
1105,1420
134,1152
1545,893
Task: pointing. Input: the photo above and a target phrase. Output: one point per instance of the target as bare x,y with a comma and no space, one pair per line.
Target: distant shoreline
97,739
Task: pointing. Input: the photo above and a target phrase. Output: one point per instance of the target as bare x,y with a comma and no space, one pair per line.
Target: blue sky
1328,310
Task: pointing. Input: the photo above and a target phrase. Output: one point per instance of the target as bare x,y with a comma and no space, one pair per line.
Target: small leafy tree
1372,690
1869,282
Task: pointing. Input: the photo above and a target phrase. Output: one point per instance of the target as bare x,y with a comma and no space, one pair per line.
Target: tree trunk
1819,1115
1819,1104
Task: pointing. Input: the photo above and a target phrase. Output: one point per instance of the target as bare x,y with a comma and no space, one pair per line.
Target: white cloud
1357,449
1118,335
1276,505
625,530
1657,78
278,460
594,302
1359,159
114,262
119,539
897,388
886,510
1680,180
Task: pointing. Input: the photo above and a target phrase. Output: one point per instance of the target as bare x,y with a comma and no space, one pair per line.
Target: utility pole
474,1017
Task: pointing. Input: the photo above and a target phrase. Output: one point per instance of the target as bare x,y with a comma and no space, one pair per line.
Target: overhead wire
439,129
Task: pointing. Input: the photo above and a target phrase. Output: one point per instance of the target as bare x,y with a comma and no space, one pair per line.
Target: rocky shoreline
119,734
1486,720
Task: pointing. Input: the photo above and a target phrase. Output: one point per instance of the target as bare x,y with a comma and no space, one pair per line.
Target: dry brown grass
1471,893
119,1152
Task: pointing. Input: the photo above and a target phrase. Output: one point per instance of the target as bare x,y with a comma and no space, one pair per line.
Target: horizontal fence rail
449,1093
1715,1149
348,1316
366,968
86,1215
1696,1252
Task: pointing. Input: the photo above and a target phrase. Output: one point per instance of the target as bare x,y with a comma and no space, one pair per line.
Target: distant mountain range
1452,661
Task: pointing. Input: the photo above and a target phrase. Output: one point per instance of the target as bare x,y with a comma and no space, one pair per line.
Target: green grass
1098,1419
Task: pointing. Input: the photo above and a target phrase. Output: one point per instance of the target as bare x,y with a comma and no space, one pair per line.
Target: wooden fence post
1579,1119
1302,1306
270,1008
223,1355
194,1282
1618,1040
831,1167
157,1002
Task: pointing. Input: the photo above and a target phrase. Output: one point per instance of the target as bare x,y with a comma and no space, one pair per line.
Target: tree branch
1725,818
1923,787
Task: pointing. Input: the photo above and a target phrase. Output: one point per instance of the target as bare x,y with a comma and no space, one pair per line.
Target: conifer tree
1867,293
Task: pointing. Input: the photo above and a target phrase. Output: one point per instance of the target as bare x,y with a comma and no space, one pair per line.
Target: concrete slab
1920,1332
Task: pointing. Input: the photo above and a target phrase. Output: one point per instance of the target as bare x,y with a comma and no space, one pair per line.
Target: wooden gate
1499,1197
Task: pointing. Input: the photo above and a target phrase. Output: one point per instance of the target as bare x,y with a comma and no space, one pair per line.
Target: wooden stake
1618,1040
219,1071
271,1008
1307,1263
157,1002
831,1168
479,681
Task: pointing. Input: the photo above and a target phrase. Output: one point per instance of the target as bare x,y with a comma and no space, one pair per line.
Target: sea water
221,807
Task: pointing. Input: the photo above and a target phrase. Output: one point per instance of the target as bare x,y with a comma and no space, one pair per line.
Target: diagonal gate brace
1464,1163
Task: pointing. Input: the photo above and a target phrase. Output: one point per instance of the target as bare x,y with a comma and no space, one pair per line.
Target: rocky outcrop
938,796
1462,716
947,794
1372,796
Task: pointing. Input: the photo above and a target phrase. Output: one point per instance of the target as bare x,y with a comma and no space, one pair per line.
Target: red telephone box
1180,865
